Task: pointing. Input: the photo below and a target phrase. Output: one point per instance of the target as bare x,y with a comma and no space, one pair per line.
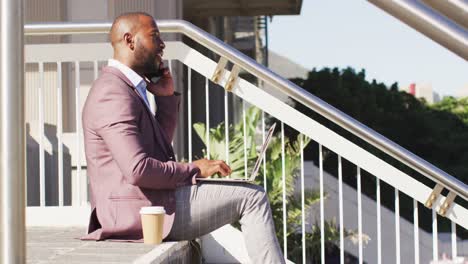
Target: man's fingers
226,168
224,165
212,167
223,171
166,71
219,169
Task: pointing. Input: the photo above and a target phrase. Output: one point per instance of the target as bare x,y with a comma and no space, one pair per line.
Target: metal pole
12,140
456,10
430,23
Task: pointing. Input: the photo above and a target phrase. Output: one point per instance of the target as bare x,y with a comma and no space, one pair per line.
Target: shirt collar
131,75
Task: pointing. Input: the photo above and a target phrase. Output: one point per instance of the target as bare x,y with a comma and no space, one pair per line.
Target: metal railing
283,85
197,63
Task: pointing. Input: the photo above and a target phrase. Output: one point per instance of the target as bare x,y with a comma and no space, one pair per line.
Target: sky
355,33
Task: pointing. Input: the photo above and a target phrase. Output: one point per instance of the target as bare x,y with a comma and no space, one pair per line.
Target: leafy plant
274,181
217,142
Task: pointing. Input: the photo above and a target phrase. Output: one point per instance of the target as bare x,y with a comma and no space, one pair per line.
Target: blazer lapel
159,137
156,127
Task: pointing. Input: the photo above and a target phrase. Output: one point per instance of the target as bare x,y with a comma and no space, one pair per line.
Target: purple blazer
130,161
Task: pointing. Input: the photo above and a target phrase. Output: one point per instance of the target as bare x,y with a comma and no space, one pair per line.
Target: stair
54,245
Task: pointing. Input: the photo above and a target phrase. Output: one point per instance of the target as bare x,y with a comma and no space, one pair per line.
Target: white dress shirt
134,78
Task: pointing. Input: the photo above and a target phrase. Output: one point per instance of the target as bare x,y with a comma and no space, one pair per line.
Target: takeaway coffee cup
152,221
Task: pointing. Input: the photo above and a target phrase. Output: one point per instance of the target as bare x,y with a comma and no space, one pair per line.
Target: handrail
440,28
453,9
281,84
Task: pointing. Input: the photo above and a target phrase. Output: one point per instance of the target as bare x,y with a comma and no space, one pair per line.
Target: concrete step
51,245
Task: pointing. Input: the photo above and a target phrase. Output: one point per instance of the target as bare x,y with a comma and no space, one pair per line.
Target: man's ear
128,38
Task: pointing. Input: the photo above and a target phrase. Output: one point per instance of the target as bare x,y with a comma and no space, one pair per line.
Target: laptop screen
262,152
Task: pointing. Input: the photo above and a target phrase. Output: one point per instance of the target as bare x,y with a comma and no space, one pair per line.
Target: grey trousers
205,207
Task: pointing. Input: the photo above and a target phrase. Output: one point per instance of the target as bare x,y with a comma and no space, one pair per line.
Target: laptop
255,169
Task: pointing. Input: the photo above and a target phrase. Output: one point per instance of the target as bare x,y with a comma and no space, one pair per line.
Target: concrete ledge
54,245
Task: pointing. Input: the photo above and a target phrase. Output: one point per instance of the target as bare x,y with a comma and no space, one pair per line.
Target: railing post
12,134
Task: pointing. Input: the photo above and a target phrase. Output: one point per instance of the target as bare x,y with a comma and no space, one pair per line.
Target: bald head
136,42
125,23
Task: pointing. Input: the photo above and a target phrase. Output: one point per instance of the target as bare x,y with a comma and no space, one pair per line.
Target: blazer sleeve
167,113
117,115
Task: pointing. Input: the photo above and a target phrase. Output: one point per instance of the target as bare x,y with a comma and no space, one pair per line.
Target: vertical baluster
42,188
169,63
379,226
226,122
416,231
95,69
340,193
245,138
207,113
359,213
78,132
264,154
60,132
283,169
454,240
435,246
303,202
152,102
322,209
189,112
397,225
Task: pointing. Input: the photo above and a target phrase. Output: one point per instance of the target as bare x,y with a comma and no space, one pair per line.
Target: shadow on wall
51,168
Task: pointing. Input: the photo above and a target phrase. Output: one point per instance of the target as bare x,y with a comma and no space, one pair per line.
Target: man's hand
210,167
164,86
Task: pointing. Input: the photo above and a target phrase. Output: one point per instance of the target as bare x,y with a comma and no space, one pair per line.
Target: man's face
148,46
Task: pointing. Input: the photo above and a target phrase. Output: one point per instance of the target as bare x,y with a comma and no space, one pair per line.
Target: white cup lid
152,210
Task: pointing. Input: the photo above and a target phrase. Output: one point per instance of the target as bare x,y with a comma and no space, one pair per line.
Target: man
131,162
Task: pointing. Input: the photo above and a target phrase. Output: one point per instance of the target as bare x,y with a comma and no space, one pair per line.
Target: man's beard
146,62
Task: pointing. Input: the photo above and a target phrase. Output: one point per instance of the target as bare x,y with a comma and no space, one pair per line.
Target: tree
459,107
